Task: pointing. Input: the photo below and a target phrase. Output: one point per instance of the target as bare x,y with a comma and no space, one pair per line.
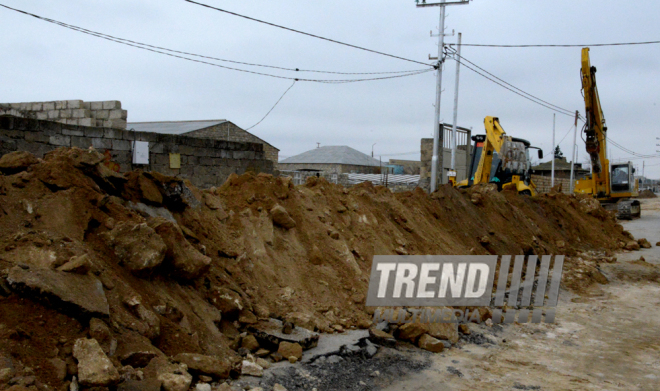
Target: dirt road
606,340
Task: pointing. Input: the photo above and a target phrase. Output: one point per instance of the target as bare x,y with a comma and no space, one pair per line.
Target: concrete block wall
205,162
229,131
330,168
106,114
544,184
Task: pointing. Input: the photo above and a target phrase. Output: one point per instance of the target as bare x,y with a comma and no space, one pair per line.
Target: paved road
648,226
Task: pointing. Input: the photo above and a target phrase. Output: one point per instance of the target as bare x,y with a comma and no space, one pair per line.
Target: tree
558,153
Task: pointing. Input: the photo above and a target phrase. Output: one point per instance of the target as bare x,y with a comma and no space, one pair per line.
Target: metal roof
173,127
337,154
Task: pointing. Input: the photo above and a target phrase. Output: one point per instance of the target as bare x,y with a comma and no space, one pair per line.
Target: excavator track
626,209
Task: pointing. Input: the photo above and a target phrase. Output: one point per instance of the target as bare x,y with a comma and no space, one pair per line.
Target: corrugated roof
173,127
337,154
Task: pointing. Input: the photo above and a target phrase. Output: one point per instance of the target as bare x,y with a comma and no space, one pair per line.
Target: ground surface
608,340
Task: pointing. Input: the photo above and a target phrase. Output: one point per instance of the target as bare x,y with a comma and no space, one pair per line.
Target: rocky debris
250,343
380,337
251,369
94,367
174,377
77,264
411,331
226,300
99,331
186,261
205,365
151,211
445,331
431,344
644,243
278,387
281,217
270,336
15,162
287,350
138,246
632,245
74,293
464,329
140,385
7,370
136,350
202,387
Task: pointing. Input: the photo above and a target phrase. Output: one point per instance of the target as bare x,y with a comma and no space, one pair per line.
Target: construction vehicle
500,159
612,184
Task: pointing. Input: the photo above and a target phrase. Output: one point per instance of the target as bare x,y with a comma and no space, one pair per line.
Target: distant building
338,159
405,167
218,129
562,169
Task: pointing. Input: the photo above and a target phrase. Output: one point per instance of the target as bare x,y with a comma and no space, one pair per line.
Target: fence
544,183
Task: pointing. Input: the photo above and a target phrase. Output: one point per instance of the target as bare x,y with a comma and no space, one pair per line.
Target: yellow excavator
500,159
612,184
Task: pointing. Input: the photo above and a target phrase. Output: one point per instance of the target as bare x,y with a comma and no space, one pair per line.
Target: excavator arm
595,129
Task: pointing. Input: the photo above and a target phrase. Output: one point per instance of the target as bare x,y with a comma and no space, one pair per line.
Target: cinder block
115,123
37,106
117,114
99,123
42,115
47,106
75,104
37,137
206,161
81,113
93,132
60,140
101,114
26,106
121,145
87,122
96,105
71,121
158,148
53,114
101,143
81,142
146,136
112,133
87,105
65,113
72,132
111,104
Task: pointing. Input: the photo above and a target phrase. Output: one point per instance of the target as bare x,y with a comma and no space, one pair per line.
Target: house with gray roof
339,159
218,129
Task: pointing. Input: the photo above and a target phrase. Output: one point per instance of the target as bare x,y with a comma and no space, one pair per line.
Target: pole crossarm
442,4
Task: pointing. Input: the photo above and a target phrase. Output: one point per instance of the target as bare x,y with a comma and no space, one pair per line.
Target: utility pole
437,159
552,175
573,154
453,129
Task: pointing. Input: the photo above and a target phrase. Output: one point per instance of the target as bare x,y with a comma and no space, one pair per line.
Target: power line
158,49
561,45
516,92
307,34
557,108
272,108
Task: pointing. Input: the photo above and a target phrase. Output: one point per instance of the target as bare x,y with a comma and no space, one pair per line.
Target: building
219,129
405,167
339,159
562,169
463,155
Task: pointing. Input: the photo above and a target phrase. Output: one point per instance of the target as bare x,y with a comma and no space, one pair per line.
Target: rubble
94,367
160,273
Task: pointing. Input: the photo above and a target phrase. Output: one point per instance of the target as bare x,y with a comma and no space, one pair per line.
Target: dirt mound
647,194
171,269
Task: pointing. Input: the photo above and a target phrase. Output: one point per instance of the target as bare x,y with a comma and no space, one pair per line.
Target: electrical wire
272,108
156,49
561,45
516,92
304,33
555,107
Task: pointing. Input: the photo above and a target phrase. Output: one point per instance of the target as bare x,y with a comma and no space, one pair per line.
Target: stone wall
205,162
105,114
230,132
463,158
543,184
330,168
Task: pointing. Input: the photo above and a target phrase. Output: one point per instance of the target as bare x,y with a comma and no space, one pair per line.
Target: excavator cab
622,178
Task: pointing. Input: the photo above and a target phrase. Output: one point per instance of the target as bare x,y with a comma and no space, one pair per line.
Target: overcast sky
40,61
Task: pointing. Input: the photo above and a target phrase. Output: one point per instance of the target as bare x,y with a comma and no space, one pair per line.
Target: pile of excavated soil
160,273
647,194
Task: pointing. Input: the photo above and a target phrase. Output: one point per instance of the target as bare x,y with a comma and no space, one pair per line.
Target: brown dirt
647,194
65,204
